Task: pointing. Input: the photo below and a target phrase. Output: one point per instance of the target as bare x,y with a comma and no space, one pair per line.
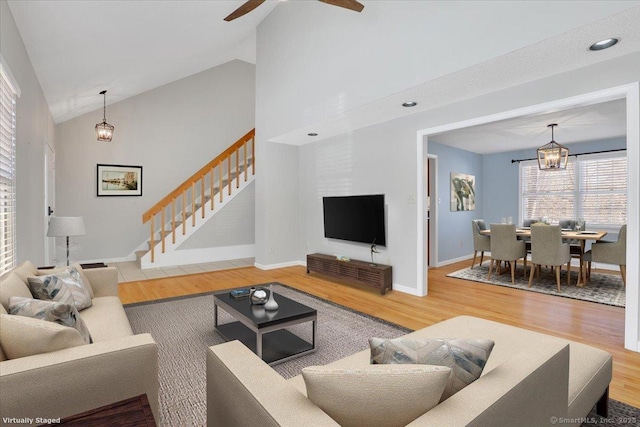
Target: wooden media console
377,276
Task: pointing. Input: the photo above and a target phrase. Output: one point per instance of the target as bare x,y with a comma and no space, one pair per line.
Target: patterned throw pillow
66,287
62,314
375,395
465,357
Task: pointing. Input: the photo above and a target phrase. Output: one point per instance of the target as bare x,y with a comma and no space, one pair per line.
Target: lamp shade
60,226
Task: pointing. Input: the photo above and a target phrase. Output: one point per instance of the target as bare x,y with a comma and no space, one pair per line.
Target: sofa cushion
380,395
106,319
11,285
62,314
24,270
465,357
3,356
24,336
65,286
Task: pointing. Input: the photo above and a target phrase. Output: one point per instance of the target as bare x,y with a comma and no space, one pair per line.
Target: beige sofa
116,366
529,379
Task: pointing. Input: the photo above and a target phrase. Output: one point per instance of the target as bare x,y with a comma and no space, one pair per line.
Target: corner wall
171,131
34,129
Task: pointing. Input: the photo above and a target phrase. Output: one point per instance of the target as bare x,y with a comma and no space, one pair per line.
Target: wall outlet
412,199
271,250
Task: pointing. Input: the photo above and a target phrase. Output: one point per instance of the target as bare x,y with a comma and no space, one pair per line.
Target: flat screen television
355,218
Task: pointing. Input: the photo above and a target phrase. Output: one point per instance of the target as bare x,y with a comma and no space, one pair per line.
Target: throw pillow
375,395
23,336
465,357
62,314
78,267
66,287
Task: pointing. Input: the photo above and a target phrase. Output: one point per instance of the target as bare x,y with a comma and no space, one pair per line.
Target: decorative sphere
259,297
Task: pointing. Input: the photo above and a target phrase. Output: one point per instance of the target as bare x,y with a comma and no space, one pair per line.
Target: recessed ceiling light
312,134
603,44
409,104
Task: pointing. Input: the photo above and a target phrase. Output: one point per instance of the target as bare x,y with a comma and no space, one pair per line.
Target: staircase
187,208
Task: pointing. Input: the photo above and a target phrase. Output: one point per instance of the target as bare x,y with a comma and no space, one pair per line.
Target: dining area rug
602,288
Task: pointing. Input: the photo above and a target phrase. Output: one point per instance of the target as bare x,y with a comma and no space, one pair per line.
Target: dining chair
481,243
529,222
610,253
547,249
575,247
505,246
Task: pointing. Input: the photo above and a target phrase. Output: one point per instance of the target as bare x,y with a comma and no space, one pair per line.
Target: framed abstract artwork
118,180
463,192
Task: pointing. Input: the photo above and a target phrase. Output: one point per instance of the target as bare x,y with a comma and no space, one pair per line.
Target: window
593,187
8,96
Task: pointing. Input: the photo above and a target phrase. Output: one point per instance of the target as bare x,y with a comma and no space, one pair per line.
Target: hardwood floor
594,324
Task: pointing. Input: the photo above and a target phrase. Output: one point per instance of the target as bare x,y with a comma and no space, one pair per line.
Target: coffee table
264,331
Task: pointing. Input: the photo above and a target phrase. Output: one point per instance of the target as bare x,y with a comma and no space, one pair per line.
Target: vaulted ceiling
79,48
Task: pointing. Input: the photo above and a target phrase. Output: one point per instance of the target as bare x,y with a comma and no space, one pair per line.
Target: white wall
172,131
364,162
34,129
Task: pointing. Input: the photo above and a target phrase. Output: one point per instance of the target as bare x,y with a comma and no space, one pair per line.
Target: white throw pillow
376,395
24,336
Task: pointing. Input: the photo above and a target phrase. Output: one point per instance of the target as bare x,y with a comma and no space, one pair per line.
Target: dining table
582,236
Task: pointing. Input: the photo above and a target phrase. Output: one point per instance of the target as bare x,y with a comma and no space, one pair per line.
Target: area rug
183,329
602,288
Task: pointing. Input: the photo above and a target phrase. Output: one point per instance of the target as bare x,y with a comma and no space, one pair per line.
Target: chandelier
552,156
104,131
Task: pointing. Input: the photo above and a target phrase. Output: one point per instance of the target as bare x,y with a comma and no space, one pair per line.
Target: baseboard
203,255
454,260
279,265
406,290
107,260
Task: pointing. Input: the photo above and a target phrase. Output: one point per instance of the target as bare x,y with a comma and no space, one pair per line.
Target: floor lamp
66,226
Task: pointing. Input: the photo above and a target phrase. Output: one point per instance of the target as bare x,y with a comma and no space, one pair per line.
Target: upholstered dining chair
481,243
505,246
610,253
547,249
575,248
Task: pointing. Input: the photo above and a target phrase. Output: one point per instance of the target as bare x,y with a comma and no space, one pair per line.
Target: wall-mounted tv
355,218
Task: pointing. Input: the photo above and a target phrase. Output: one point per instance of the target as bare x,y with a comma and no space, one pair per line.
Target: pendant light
552,156
104,131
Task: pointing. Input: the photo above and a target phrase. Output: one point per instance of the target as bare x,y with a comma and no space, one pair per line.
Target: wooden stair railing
189,188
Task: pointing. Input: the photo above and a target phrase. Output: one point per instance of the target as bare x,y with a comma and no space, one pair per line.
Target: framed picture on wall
463,192
118,180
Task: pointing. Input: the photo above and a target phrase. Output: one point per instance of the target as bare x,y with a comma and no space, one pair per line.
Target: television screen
355,218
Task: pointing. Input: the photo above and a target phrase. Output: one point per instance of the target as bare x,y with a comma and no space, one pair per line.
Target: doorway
629,92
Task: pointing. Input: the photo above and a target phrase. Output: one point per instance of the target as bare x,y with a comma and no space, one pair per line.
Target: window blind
7,174
592,187
549,194
603,190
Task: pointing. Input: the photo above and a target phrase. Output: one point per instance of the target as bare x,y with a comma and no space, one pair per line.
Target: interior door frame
49,201
630,92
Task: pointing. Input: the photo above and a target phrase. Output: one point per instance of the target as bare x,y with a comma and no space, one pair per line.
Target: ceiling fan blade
247,7
347,4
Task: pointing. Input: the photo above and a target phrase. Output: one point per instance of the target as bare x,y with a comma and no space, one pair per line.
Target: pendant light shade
104,131
552,156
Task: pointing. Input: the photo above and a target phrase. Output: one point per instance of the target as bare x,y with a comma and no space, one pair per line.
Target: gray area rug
602,288
183,329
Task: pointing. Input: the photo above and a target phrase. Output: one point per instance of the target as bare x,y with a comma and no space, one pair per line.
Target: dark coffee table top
288,309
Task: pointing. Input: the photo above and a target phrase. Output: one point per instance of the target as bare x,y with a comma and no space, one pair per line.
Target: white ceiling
594,122
79,48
